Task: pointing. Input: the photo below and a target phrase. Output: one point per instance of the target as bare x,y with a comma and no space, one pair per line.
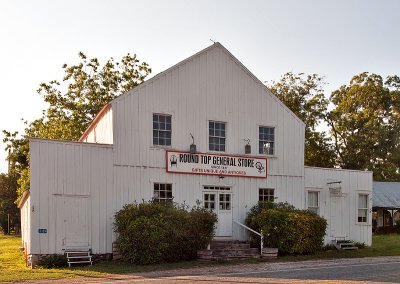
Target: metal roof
386,195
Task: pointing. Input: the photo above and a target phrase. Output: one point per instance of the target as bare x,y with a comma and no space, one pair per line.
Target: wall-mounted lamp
247,147
192,146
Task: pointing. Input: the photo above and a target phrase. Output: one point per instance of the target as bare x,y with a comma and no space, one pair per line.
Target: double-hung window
313,201
162,130
162,192
266,144
217,136
362,208
266,194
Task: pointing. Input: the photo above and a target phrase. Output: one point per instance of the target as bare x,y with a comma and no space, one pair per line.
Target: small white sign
216,164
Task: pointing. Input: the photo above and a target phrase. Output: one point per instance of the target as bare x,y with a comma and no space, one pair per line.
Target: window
224,201
162,192
207,187
217,136
266,194
313,202
362,208
209,201
162,129
266,140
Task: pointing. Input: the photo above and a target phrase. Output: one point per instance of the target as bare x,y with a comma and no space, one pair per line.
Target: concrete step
228,245
228,251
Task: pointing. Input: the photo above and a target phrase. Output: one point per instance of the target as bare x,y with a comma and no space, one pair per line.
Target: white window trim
208,136
152,146
274,156
318,201
152,183
273,190
369,208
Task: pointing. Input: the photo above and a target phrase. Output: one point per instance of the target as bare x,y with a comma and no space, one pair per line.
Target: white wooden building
139,148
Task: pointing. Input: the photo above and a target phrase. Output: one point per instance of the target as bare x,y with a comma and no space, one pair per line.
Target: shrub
290,230
53,261
153,232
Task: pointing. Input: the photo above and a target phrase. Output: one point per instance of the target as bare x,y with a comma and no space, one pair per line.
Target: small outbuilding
385,205
205,131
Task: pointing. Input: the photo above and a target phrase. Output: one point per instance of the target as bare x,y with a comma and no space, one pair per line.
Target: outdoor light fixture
247,147
192,146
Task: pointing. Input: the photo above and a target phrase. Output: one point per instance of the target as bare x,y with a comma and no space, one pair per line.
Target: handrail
255,232
250,229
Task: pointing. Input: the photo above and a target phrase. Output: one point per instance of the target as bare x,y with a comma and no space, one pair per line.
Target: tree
9,212
365,125
85,88
304,95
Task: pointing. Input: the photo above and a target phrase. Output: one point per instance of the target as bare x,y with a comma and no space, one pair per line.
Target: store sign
214,164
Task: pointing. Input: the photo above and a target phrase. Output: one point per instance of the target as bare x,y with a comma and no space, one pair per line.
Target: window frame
164,199
159,130
317,207
218,137
261,151
366,209
266,195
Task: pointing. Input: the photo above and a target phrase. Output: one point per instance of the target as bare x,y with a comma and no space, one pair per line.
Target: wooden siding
341,212
66,169
134,184
209,86
25,210
101,130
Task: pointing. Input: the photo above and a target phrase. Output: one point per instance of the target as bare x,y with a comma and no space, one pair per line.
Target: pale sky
335,39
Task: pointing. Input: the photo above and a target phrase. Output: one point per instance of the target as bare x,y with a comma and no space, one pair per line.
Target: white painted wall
101,130
341,212
71,195
25,226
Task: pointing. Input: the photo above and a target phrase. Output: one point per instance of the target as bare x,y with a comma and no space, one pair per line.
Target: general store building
204,131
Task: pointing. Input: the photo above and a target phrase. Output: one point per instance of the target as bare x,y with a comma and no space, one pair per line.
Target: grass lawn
12,264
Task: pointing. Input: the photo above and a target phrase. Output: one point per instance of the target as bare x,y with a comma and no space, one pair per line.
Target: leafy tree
304,95
365,125
9,211
73,103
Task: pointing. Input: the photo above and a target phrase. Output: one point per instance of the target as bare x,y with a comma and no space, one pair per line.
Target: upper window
162,129
217,136
313,202
266,194
266,140
162,192
362,208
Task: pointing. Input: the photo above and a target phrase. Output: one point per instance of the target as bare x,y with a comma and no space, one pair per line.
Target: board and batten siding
71,196
134,184
341,211
211,85
101,129
25,226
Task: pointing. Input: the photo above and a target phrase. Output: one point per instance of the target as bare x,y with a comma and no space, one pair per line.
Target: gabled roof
386,195
215,45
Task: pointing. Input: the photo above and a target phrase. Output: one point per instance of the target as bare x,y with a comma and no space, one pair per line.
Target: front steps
344,245
228,250
76,256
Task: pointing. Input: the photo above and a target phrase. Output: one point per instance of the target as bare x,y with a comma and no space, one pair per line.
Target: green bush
152,232
53,261
290,230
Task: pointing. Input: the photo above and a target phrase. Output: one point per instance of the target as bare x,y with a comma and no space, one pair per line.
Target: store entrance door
219,200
